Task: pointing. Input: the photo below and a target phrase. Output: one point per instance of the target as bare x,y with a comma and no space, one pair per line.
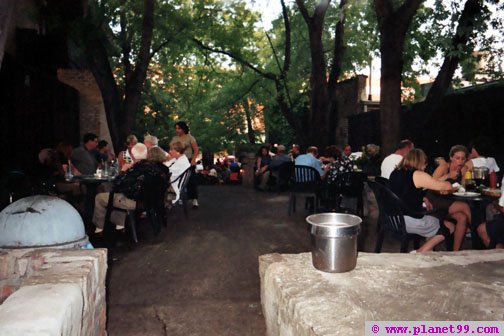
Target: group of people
144,162
329,166
405,170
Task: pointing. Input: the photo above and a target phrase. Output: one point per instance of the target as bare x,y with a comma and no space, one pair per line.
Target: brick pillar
92,116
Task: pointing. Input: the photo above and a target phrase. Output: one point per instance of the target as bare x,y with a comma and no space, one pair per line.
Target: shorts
427,226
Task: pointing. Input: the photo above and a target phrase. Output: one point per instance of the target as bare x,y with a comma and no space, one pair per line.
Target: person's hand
428,204
126,166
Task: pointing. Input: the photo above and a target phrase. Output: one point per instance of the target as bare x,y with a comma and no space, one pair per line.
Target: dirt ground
200,275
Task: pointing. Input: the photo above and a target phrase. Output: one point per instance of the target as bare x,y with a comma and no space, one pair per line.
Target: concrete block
299,300
43,310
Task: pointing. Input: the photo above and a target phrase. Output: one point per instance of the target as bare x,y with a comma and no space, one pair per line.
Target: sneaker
195,203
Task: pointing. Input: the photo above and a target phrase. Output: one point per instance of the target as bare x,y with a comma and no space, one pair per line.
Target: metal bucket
334,241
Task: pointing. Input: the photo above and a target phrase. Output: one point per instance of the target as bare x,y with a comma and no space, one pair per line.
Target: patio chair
391,218
151,201
181,182
306,182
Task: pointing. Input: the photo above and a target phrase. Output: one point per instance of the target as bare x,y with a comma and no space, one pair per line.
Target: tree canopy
211,63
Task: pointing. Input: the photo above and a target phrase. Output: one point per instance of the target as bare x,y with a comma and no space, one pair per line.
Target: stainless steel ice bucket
334,241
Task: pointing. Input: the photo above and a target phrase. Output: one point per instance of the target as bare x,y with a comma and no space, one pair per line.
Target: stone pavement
200,275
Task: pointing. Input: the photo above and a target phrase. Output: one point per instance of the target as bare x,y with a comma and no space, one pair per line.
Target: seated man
128,188
310,159
177,165
84,157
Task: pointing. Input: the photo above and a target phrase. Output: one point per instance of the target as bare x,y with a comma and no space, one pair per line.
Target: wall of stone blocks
53,292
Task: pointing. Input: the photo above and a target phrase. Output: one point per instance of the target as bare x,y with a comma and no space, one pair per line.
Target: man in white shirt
390,162
177,165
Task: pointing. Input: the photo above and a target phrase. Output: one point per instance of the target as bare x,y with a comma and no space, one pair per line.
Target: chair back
382,180
182,179
153,190
305,178
285,172
392,208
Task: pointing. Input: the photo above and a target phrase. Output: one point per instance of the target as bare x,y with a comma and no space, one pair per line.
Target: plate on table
494,192
466,194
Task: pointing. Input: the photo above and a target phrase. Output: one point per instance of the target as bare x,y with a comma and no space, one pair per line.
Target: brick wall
73,281
92,116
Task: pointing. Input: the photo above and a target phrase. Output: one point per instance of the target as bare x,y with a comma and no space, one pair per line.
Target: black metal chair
151,201
305,181
391,217
283,176
382,180
348,185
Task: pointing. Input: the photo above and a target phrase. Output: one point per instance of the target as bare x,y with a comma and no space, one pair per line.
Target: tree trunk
390,96
250,129
393,25
320,103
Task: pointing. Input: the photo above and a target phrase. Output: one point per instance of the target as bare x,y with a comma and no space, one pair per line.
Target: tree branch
144,54
287,50
267,75
125,41
304,11
339,47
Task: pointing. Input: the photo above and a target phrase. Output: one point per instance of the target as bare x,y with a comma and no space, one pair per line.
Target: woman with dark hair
191,151
407,181
481,149
262,172
337,164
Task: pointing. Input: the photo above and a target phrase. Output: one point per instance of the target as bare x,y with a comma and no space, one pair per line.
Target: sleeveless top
401,183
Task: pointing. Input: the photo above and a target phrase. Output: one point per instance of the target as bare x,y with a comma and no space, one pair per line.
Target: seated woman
407,182
451,172
262,172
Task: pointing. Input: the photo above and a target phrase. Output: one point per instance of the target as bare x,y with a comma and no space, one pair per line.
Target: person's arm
423,180
195,148
442,172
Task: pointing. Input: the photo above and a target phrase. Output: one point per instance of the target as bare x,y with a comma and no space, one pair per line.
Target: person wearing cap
84,157
128,185
278,159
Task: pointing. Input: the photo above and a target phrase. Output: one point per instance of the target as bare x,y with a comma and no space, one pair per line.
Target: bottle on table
68,173
469,182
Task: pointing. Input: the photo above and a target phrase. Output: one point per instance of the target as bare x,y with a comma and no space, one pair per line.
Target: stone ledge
51,310
43,277
297,299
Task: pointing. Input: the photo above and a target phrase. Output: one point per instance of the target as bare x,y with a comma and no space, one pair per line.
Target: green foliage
208,89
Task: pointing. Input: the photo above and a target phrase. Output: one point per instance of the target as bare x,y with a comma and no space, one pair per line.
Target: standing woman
191,151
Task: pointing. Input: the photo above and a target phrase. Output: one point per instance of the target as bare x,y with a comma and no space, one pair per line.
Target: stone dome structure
41,221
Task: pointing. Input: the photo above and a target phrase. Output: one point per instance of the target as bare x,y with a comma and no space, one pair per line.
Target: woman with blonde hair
407,181
125,157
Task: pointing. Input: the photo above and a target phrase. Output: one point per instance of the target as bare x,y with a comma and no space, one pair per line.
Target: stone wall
298,300
92,116
53,292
